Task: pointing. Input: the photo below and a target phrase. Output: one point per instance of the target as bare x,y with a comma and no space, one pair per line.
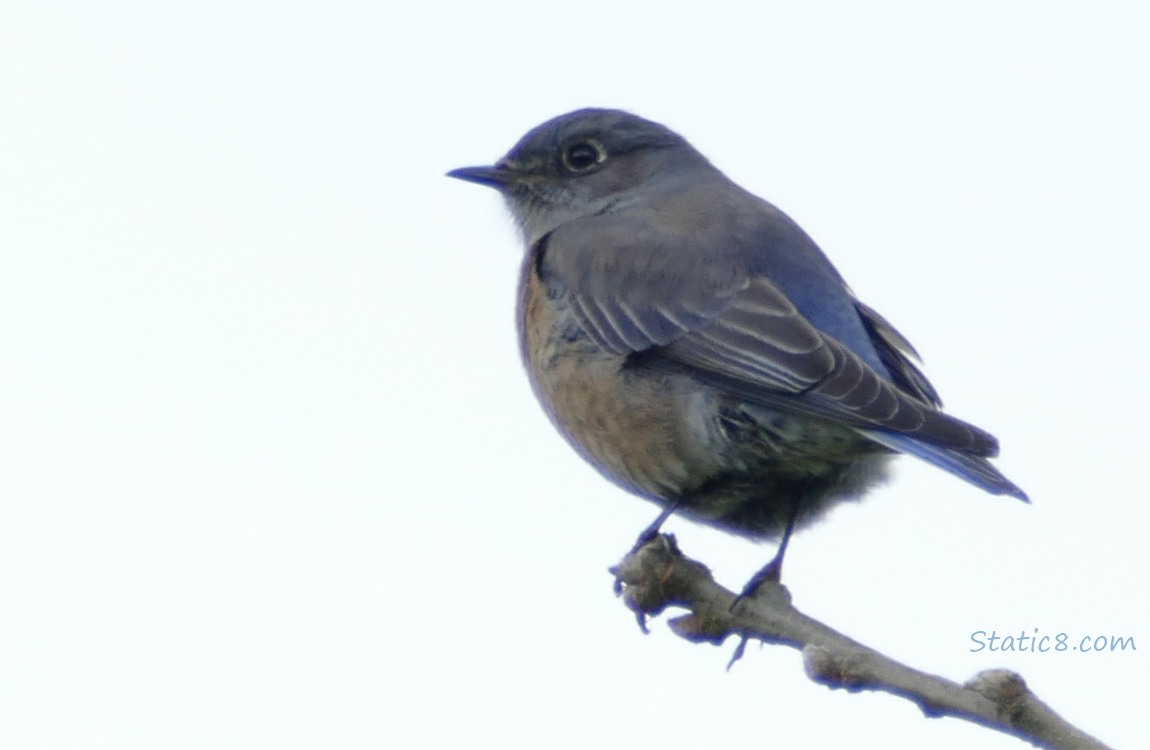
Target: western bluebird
691,342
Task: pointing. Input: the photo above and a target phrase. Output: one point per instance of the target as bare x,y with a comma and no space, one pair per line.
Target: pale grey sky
270,475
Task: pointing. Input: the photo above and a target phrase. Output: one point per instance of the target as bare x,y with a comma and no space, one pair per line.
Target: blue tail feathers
978,471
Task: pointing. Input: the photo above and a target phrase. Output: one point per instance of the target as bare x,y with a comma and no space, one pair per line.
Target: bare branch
657,576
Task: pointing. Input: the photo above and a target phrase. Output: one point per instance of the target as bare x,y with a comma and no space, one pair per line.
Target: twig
657,576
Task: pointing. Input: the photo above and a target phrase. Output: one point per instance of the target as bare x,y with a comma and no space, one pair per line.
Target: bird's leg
652,531
773,571
645,536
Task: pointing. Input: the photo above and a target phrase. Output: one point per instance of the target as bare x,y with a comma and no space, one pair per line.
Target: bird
692,343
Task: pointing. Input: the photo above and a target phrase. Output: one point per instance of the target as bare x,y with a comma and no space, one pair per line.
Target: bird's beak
497,177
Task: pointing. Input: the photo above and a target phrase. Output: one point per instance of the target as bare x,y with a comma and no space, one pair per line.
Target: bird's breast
642,430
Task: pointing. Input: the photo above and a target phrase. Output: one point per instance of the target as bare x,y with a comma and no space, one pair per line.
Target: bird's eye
579,157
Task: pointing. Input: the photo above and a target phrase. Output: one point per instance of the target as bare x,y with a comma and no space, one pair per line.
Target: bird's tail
974,469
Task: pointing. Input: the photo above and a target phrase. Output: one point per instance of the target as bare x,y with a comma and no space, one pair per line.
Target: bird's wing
897,354
710,317
763,349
